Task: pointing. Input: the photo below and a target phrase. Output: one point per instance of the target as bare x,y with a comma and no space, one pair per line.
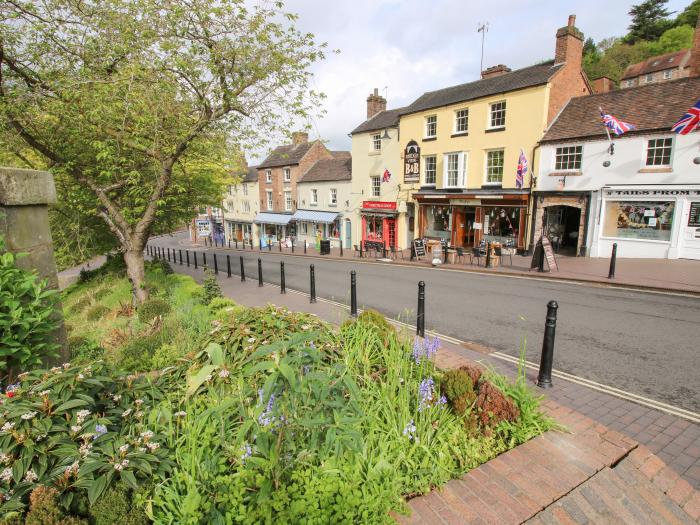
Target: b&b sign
411,162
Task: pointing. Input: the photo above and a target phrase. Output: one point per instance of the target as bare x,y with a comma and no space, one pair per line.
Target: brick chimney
603,85
694,62
375,104
495,71
300,137
569,47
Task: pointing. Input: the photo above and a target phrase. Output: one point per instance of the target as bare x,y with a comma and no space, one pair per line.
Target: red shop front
379,222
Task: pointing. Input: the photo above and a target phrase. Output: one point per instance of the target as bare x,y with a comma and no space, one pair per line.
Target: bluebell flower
425,393
99,430
266,418
410,430
425,348
247,452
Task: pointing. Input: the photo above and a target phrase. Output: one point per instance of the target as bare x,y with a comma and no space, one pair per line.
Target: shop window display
438,221
373,228
502,224
639,220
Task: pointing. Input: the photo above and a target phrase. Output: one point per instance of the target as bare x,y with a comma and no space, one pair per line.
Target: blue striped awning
273,218
326,217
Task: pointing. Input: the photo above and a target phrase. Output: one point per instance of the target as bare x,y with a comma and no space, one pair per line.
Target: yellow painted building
470,139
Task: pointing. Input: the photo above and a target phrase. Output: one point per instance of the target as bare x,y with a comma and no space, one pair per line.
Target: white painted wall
343,207
234,208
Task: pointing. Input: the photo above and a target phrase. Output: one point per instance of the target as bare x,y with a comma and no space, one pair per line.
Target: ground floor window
335,229
639,220
502,222
438,221
374,228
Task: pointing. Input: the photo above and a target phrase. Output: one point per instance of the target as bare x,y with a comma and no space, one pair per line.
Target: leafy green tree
649,21
675,39
689,15
144,105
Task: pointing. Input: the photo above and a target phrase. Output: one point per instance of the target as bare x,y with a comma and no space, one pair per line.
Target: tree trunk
137,275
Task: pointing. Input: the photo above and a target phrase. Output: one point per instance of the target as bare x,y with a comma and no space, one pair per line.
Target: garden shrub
81,304
493,406
212,290
165,355
377,322
101,293
219,303
159,265
458,387
96,312
116,507
27,316
83,349
153,308
137,353
113,265
44,509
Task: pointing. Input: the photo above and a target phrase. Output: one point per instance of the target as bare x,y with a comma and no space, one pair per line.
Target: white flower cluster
127,412
75,428
82,416
181,413
72,469
138,402
153,446
28,415
6,475
7,426
121,466
85,449
124,448
116,398
4,459
30,476
147,434
44,393
224,373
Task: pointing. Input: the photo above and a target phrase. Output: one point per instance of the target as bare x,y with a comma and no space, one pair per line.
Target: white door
690,232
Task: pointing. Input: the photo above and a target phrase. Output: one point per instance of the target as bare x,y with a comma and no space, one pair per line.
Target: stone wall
574,201
25,196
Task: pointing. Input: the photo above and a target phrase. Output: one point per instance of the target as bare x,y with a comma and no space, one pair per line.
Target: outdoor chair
357,250
394,253
502,252
460,254
477,254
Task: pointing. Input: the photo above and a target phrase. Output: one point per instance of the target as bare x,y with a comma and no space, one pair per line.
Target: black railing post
283,288
384,250
353,293
312,287
488,254
305,243
613,259
236,241
179,251
195,260
157,252
360,249
229,244
204,260
540,262
279,243
242,270
444,255
228,265
413,251
216,266
420,317
187,257
251,243
544,378
341,247
292,244
260,280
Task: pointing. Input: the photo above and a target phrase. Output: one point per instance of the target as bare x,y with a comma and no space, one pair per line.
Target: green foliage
212,290
458,388
45,509
165,355
83,350
160,265
689,15
649,21
675,39
96,312
221,303
136,354
113,265
116,507
27,316
153,308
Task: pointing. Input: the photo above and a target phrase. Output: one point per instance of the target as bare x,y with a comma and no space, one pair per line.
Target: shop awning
273,218
325,217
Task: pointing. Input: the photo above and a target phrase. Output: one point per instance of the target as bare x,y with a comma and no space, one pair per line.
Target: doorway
463,235
690,233
562,226
348,233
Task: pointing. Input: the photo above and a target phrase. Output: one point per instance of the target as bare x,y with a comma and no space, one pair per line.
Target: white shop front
656,222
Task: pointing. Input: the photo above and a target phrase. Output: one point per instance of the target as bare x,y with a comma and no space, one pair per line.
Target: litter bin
325,248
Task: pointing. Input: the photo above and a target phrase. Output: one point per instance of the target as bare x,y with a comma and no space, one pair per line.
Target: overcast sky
407,47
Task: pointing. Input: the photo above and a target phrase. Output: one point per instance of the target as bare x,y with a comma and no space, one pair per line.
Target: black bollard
260,281
312,284
279,243
187,257
613,258
544,378
251,243
540,266
383,250
242,270
229,244
269,245
444,255
216,266
179,251
305,246
236,241
488,255
420,317
292,244
341,247
360,249
283,288
169,255
195,260
228,265
353,293
413,252
204,260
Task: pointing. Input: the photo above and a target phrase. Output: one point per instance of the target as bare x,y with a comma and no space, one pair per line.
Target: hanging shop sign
379,205
411,162
203,227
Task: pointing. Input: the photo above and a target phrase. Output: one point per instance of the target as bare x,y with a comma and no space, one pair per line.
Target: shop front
314,226
649,222
562,217
275,227
464,221
379,224
239,230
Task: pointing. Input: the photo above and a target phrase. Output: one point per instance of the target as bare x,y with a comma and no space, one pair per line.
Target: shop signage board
419,247
694,215
544,245
651,193
203,227
411,162
379,205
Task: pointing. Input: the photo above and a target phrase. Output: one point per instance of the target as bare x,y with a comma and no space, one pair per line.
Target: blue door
348,234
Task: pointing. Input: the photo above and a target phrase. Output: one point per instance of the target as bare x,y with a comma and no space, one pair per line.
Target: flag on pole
386,177
522,170
615,125
688,122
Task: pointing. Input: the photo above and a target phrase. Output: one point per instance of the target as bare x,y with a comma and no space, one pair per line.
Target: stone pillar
25,196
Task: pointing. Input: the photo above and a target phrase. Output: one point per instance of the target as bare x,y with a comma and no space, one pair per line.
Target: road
641,342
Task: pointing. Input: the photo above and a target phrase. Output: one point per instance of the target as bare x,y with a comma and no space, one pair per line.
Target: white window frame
377,187
332,197
246,206
567,154
287,174
268,176
288,200
304,228
492,111
270,203
425,170
245,189
376,142
486,167
457,119
313,199
668,74
461,158
430,121
649,78
647,140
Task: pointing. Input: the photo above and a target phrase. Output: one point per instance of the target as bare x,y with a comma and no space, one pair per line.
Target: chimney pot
375,104
572,20
495,71
569,46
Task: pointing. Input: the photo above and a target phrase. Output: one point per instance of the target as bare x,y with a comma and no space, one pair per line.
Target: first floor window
314,197
376,186
287,201
462,121
497,117
245,189
333,197
287,174
246,206
376,142
430,167
639,220
269,199
452,169
431,126
494,166
268,176
668,74
455,169
568,158
659,152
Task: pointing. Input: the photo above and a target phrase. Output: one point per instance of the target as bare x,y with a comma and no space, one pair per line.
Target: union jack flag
386,177
688,122
521,171
615,125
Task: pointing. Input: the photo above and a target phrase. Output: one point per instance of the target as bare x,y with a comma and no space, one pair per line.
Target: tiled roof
286,155
339,168
657,63
651,107
518,79
383,119
251,175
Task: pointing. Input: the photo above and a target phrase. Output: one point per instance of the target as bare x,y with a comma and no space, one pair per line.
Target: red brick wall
569,81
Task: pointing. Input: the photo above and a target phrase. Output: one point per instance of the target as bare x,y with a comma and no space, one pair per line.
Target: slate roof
518,79
286,155
384,119
657,63
251,175
339,168
651,107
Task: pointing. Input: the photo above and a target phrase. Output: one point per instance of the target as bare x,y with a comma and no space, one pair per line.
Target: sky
407,47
